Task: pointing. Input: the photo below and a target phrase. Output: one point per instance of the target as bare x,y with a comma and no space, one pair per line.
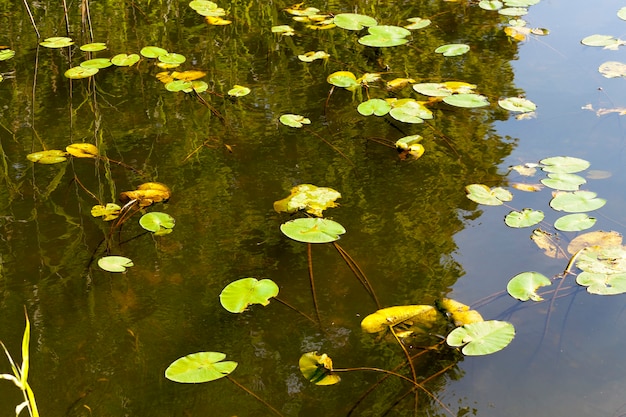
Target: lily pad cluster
609,69
211,11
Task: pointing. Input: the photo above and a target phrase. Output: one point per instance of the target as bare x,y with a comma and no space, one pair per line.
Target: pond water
101,341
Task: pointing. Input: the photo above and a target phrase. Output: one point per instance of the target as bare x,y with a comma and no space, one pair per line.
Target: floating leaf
312,230
603,284
239,91
47,157
199,367
398,83
353,21
621,13
410,111
453,49
238,295
466,100
597,238
409,145
417,23
602,259
564,164
197,86
520,3
285,30
524,286
482,338
391,316
517,104
375,106
532,188
205,7
606,41
179,85
459,313
294,120
172,58
563,181
124,60
574,222
513,11
482,194
157,222
308,197
109,212
525,218
147,194
190,75
318,369
76,73
490,4
577,202
217,21
57,42
82,150
548,243
6,54
385,36
527,170
115,263
613,69
313,55
344,79
93,47
96,63
152,51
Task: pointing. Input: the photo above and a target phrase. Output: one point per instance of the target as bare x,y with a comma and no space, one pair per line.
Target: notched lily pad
109,212
294,120
238,91
353,21
577,202
79,72
125,60
524,286
238,295
525,218
115,263
318,369
200,367
574,222
482,338
57,42
517,104
482,194
564,164
313,230
308,197
53,156
82,150
157,223
466,100
453,49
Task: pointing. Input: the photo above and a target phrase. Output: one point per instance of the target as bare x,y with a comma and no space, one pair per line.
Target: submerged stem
275,411
358,272
310,266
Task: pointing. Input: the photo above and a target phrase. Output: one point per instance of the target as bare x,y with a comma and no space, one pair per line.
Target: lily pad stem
275,411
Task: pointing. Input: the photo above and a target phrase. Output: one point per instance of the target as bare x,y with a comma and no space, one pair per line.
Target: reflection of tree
401,216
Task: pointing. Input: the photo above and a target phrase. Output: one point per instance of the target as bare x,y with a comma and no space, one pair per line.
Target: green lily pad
308,197
513,11
603,284
238,295
239,91
294,120
432,89
524,286
482,194
98,63
197,86
517,104
353,21
482,338
199,367
577,202
525,218
318,369
6,54
124,60
152,51
563,181
312,230
344,79
520,3
453,49
602,260
53,156
57,42
381,319
172,58
374,106
621,13
466,100
417,23
178,85
490,4
115,263
285,30
574,222
313,55
564,164
207,8
93,47
385,36
410,111
109,212
606,41
76,73
157,222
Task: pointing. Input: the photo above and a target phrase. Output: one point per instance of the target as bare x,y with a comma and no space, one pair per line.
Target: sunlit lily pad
525,218
199,367
76,73
417,23
157,223
563,181
612,69
96,63
317,369
152,51
178,85
109,212
595,238
513,11
517,104
124,60
57,42
606,41
520,3
482,194
602,260
238,91
353,21
312,230
93,47
453,49
82,150
294,120
53,156
6,54
524,286
115,263
466,100
459,313
410,111
391,316
172,58
564,164
603,284
490,4
482,338
577,202
385,36
308,197
344,79
621,13
198,86
313,55
574,222
238,295
147,194
284,30
374,106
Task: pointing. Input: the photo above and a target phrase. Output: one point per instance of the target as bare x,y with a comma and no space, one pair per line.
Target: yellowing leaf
109,212
164,77
188,75
459,312
82,150
548,243
217,21
147,194
597,238
318,368
308,197
398,83
391,316
527,187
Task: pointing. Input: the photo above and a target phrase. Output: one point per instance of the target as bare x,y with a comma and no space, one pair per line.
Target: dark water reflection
101,342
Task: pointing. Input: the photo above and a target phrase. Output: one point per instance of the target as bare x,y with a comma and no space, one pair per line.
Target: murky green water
101,341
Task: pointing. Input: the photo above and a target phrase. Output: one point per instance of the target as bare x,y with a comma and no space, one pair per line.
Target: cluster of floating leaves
211,11
609,69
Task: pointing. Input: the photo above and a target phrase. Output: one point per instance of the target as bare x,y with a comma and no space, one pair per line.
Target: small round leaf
238,295
157,222
482,338
524,286
199,367
312,230
115,263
